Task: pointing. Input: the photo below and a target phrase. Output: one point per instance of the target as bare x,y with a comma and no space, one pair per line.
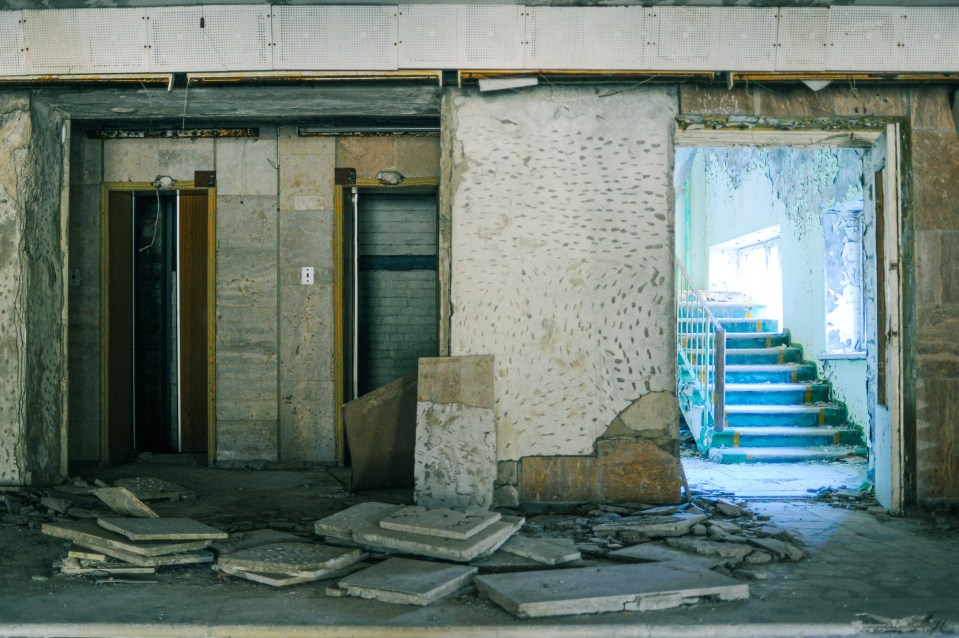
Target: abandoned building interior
578,264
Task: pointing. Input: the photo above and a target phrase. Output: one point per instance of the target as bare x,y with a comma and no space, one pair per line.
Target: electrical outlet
74,276
306,276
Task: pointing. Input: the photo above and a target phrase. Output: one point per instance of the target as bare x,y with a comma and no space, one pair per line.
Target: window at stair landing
843,252
751,264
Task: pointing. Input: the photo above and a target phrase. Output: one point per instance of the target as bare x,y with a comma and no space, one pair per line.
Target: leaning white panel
928,36
863,39
84,41
210,38
11,43
802,42
346,38
604,38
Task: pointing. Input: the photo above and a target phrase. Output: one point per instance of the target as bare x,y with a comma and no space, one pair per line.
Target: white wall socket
306,276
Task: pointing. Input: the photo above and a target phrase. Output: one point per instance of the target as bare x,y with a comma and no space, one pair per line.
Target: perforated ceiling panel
744,39
680,37
585,38
11,43
84,41
802,42
210,38
863,39
429,36
349,38
928,37
492,36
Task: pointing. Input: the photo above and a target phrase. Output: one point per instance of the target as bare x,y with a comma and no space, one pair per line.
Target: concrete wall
275,346
31,293
930,268
562,258
746,190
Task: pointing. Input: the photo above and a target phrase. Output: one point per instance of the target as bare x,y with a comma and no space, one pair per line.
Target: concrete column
32,362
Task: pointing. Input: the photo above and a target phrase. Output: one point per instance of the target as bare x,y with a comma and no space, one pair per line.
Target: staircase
766,404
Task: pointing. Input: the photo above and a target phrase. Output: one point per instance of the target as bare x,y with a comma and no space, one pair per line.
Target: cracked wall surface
562,263
31,292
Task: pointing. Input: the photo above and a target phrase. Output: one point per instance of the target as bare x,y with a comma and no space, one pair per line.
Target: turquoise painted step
783,454
807,415
739,340
776,393
747,356
721,309
785,437
749,325
779,373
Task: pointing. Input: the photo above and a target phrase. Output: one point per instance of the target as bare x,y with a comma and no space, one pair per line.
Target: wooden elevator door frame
115,442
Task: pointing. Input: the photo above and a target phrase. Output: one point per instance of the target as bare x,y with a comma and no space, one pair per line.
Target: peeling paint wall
562,255
31,295
930,264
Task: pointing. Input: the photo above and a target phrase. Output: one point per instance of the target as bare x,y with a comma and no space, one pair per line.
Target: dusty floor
860,562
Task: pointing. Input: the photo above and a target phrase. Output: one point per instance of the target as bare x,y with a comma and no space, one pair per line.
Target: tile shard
440,522
161,529
408,582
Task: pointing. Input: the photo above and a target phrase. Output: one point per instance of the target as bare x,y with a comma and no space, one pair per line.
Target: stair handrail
700,329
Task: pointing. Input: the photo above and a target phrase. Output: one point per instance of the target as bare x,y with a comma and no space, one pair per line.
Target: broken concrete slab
440,522
293,559
408,582
732,551
184,558
728,509
123,501
638,587
154,489
455,453
548,551
381,433
342,524
60,505
777,548
285,580
651,526
89,534
500,561
253,538
656,553
485,542
161,529
74,567
82,554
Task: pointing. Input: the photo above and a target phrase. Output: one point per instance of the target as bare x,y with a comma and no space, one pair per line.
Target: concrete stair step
776,393
786,437
754,356
739,340
772,373
739,325
805,415
783,454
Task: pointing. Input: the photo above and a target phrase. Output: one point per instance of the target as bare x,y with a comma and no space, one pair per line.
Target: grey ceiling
73,4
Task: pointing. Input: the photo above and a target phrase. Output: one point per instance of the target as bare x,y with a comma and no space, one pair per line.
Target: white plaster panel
562,256
455,462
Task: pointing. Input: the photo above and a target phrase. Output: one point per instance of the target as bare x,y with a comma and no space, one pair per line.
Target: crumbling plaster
562,261
31,295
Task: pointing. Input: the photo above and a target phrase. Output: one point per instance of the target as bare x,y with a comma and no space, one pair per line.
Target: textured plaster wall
31,293
930,265
746,190
562,263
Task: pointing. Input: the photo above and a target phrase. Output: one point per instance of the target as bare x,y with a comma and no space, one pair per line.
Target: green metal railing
701,355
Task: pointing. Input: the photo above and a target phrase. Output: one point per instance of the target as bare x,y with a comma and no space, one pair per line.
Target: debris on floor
282,564
409,582
123,501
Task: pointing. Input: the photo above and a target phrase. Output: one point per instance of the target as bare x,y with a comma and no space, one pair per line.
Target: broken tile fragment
728,509
656,553
154,489
89,534
440,522
161,529
123,501
547,551
408,582
484,542
651,526
308,560
637,587
342,524
284,580
734,551
253,538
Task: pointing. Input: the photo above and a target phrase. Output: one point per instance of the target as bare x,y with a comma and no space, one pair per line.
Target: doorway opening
156,304
388,291
781,246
